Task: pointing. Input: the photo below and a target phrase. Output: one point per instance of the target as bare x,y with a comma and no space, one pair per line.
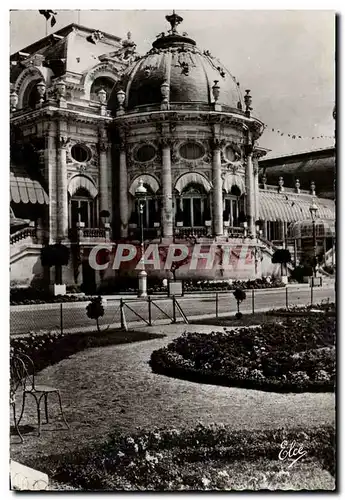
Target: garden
290,355
138,427
204,458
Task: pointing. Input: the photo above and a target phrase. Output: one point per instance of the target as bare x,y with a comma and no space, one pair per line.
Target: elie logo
291,451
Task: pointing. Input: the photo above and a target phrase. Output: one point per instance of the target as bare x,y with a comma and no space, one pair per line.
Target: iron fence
120,313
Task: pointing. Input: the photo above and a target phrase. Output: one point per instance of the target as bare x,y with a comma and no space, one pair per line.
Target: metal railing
188,232
89,232
22,234
72,318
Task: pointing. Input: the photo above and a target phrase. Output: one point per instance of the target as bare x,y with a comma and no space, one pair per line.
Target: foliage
95,310
299,272
31,295
240,296
55,255
281,256
206,457
295,355
329,269
191,285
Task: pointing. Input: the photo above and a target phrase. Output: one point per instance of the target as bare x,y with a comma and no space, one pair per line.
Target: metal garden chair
17,375
37,391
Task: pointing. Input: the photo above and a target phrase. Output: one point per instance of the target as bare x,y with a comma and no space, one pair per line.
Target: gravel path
113,387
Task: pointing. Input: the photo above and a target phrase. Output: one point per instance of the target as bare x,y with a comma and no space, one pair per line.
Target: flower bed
26,296
266,358
325,307
213,457
216,286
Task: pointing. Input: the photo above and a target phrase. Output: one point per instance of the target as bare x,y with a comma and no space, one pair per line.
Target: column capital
103,146
121,145
217,144
63,141
166,142
248,149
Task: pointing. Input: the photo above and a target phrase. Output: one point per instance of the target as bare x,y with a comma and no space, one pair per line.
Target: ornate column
250,189
61,182
256,186
167,215
103,171
51,176
217,195
123,195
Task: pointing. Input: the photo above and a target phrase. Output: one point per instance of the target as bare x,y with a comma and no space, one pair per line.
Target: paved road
48,316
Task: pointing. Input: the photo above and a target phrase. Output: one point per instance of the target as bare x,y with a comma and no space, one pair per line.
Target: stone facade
98,120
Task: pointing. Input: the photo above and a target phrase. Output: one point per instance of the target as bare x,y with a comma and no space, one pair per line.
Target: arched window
151,214
30,97
192,206
233,206
82,208
102,82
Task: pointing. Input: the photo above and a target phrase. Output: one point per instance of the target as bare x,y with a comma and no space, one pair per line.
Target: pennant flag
49,15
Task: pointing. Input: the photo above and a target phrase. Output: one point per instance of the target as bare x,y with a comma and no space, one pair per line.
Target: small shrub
95,310
240,296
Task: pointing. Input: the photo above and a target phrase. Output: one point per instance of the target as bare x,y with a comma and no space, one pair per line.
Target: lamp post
140,193
313,209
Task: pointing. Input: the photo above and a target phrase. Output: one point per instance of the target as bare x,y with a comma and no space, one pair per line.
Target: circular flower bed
295,355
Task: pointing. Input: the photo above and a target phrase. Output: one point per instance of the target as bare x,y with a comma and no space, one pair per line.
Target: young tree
95,310
240,296
281,256
55,255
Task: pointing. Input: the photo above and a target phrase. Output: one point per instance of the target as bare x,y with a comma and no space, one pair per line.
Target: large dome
190,73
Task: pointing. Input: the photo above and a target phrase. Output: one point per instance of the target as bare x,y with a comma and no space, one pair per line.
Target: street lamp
313,209
140,193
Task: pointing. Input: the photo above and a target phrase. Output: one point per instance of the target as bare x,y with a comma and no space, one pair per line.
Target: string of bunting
297,136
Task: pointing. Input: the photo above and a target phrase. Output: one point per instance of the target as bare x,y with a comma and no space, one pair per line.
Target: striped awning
192,178
292,207
81,181
234,180
148,180
24,189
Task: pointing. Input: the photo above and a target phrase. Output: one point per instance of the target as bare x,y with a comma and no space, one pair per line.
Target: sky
285,57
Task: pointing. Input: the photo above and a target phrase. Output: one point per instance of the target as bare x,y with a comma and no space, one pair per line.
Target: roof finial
174,20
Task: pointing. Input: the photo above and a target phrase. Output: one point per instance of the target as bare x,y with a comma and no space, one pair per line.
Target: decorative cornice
176,116
58,114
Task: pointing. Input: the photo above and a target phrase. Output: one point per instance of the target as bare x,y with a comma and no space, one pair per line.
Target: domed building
186,131
108,146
